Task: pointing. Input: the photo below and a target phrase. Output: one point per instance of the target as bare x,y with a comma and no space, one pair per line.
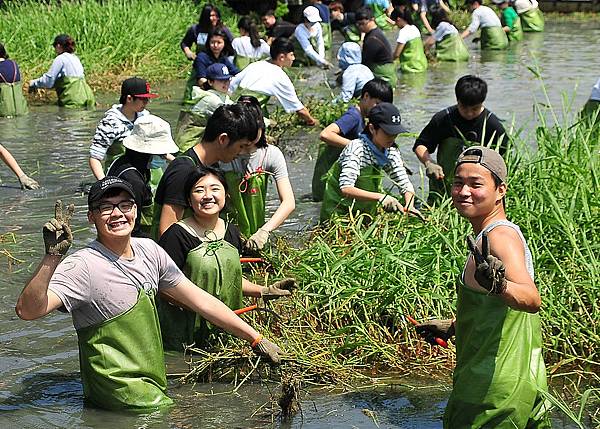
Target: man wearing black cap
500,375
117,124
109,288
354,181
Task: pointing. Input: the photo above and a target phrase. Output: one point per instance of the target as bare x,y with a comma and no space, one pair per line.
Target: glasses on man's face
108,208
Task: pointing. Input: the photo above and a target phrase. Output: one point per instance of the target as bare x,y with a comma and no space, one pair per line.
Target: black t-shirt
139,182
449,123
177,242
170,188
281,29
376,49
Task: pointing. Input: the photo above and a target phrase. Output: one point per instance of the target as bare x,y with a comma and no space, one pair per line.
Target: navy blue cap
102,186
387,117
218,71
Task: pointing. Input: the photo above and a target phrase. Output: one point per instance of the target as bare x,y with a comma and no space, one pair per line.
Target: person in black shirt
344,22
230,128
453,129
209,20
276,27
150,136
376,51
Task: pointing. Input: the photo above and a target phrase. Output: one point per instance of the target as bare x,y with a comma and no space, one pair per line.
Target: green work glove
391,204
441,328
489,270
267,349
57,231
28,183
258,240
433,170
278,289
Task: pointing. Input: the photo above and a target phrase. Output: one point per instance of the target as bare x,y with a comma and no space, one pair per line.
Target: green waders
74,93
242,62
381,17
248,195
351,33
413,59
327,156
301,58
334,203
452,48
386,72
493,38
263,99
447,154
121,359
516,32
499,366
12,101
187,93
327,36
189,130
532,20
213,266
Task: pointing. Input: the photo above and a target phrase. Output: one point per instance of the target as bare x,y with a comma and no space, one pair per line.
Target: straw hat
152,135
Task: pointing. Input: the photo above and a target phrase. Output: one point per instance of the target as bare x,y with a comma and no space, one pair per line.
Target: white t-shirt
596,91
267,78
484,17
522,6
444,29
303,36
270,158
243,47
408,33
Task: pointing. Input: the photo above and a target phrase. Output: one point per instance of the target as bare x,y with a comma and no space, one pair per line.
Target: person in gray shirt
109,288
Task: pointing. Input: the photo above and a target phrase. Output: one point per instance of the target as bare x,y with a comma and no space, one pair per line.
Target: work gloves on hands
258,240
433,170
489,270
278,289
440,328
28,183
267,349
57,231
391,204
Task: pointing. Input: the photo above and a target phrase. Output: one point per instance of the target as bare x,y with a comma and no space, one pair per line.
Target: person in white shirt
484,18
310,32
409,45
249,47
265,79
532,18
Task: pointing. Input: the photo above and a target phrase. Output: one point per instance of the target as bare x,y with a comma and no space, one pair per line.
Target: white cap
152,135
312,14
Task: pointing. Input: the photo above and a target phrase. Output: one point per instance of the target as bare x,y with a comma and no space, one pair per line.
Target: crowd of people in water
165,271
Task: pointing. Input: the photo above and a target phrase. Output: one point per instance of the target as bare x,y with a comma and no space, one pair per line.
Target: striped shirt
357,155
112,128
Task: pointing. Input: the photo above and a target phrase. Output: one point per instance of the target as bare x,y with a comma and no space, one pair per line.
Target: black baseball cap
102,186
136,87
387,117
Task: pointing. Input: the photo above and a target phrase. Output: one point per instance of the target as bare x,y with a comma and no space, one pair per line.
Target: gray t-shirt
93,289
270,158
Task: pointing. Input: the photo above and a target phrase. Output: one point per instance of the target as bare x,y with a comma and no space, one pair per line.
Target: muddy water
39,381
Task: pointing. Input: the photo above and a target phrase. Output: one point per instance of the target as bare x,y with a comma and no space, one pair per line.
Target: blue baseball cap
218,71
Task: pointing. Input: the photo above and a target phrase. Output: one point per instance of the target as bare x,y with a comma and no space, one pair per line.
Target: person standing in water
511,23
500,378
532,18
309,36
12,101
409,51
249,47
66,77
110,289
493,36
449,46
591,109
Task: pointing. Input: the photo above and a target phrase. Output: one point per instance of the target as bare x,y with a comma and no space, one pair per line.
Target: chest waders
248,195
499,366
12,101
189,83
213,266
189,130
334,203
351,33
452,48
386,72
516,31
381,17
493,38
447,154
301,58
241,62
327,156
413,59
327,36
263,99
146,212
532,21
74,93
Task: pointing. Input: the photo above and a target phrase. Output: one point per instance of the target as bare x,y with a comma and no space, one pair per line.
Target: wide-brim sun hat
151,135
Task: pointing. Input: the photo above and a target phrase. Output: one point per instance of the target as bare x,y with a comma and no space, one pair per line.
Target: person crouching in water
354,181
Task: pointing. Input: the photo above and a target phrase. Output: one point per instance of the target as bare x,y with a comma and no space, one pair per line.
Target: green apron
351,33
301,59
248,196
121,359
327,156
413,59
263,99
381,17
187,93
452,48
12,101
327,36
334,203
493,38
189,130
532,20
74,93
516,32
213,266
241,61
386,72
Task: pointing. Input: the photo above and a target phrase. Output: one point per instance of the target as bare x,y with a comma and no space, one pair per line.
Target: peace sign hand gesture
57,231
489,271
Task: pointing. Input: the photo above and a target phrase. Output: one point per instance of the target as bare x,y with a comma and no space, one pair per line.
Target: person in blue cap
355,180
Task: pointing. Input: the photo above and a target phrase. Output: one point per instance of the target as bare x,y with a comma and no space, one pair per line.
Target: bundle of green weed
120,37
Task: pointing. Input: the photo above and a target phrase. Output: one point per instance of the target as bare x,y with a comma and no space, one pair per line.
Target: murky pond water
39,380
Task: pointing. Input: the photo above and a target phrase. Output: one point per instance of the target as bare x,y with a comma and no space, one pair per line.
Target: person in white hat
150,137
309,35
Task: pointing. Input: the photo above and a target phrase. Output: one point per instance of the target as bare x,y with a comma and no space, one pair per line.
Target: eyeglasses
108,208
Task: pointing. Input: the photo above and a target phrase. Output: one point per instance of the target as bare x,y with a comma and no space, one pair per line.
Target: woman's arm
286,206
398,51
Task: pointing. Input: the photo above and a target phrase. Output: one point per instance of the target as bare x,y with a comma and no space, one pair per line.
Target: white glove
28,183
258,240
391,204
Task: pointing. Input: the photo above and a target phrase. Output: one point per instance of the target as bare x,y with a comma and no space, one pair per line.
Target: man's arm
307,117
36,300
170,214
331,136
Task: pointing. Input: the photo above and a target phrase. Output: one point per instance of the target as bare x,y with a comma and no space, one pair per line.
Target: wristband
256,341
